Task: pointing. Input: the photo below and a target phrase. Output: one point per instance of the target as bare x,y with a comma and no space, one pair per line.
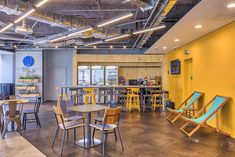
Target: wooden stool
90,94
133,99
156,101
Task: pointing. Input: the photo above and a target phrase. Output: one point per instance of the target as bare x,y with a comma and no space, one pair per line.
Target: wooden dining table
88,109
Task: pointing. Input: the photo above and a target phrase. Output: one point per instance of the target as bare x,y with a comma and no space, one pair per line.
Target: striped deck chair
216,104
175,113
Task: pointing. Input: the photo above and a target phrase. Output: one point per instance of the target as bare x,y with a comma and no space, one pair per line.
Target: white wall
54,62
6,67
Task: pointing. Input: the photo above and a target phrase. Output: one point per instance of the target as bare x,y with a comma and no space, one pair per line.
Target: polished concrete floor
144,135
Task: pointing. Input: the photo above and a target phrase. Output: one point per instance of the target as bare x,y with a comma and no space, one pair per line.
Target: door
57,79
188,77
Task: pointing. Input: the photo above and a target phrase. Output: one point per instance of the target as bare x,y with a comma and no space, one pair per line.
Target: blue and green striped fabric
216,103
191,100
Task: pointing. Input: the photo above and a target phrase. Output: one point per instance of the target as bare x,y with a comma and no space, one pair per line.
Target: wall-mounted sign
28,61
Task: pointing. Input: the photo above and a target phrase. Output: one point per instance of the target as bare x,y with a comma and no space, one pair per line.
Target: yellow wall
213,71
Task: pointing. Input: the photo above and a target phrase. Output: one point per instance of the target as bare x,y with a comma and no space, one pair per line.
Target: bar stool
157,101
133,99
89,94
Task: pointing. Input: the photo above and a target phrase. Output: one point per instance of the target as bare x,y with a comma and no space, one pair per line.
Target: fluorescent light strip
6,27
231,5
81,31
58,39
115,20
117,37
94,43
25,15
149,29
41,3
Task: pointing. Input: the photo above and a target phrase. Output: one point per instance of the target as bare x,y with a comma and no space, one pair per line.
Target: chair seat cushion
106,128
73,118
29,111
71,125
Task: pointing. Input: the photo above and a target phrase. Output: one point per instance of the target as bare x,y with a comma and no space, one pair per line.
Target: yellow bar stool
90,94
133,99
157,101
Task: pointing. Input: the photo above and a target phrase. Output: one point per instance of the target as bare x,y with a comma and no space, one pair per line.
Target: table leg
98,95
88,141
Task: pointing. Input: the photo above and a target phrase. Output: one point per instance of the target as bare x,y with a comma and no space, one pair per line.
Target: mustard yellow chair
157,101
133,99
89,94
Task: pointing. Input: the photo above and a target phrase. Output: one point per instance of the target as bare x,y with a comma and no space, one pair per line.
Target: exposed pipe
154,9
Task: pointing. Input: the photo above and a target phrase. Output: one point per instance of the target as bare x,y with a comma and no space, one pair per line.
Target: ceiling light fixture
149,29
15,46
164,48
231,5
124,47
111,46
117,37
41,3
119,18
198,26
6,27
94,47
24,16
75,47
176,40
58,39
94,43
82,30
56,47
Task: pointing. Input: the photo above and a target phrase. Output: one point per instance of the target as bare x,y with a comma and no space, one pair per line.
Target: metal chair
11,113
34,112
65,126
89,94
109,123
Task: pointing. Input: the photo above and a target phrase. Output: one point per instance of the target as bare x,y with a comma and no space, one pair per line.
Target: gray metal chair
109,124
66,126
34,112
11,113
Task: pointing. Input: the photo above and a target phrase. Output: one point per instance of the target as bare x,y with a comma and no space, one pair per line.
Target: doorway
188,77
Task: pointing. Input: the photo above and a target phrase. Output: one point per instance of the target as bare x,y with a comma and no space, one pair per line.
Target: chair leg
102,134
84,136
56,134
18,123
62,145
5,128
25,122
74,135
37,119
106,136
119,134
115,134
93,134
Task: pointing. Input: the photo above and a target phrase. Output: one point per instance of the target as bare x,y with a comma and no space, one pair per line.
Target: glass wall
111,75
84,75
97,75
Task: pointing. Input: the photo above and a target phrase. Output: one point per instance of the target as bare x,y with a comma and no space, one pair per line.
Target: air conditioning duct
144,5
23,29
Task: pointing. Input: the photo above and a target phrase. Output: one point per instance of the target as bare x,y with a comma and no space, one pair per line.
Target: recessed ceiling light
164,48
231,5
176,40
75,47
111,46
94,47
56,47
198,26
124,47
15,46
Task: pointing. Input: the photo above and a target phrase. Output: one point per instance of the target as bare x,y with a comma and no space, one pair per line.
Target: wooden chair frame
173,116
203,123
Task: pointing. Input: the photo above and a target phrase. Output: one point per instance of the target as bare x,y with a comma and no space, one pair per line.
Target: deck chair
175,113
203,118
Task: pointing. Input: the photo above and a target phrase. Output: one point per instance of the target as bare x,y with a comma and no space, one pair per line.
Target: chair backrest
192,99
11,107
58,115
133,90
89,90
37,104
217,103
112,115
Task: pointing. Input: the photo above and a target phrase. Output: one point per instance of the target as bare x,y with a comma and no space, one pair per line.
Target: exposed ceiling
210,14
58,17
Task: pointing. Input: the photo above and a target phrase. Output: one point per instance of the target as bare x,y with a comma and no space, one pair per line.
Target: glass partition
84,75
111,75
97,75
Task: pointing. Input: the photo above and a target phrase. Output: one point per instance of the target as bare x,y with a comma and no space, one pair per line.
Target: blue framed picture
28,61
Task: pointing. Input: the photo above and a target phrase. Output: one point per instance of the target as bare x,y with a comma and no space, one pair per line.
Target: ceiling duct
144,5
23,29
